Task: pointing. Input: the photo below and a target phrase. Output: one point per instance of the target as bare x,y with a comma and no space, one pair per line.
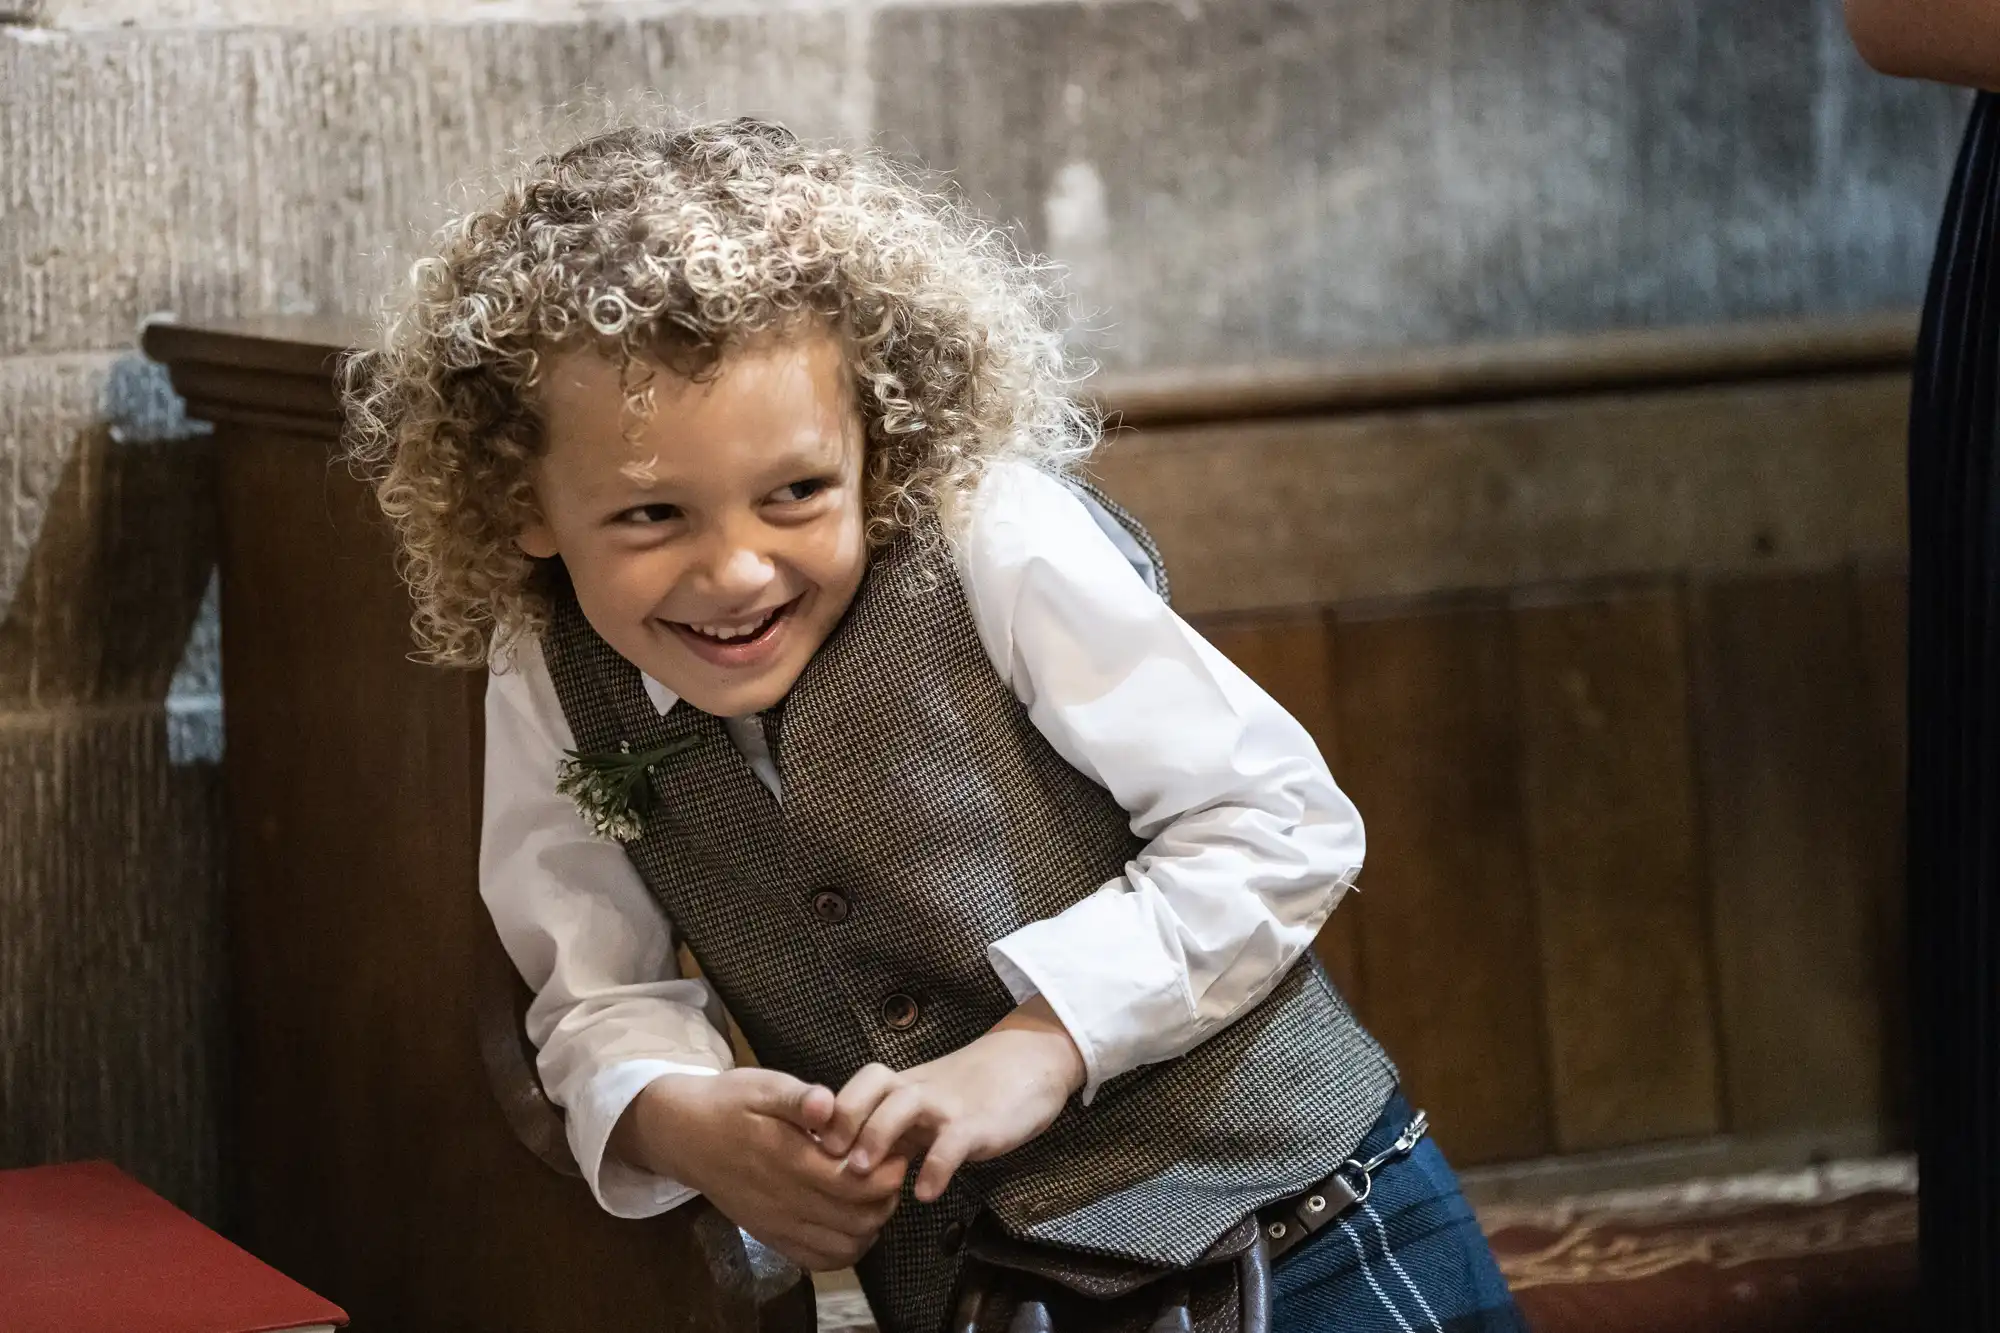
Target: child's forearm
644,1137
1051,1046
1951,41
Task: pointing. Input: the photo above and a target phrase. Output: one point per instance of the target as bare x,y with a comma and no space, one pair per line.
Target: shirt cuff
1116,1010
621,1190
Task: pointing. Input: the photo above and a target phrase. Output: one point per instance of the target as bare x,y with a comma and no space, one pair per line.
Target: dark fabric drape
1954,757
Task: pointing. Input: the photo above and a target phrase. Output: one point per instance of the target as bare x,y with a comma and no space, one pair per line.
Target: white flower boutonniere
611,791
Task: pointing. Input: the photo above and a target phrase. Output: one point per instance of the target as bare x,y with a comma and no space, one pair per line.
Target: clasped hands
816,1174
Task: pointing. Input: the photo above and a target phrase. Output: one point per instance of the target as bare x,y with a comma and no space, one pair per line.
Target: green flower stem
611,790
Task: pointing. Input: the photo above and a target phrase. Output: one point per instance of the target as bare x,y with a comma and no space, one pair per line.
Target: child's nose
740,569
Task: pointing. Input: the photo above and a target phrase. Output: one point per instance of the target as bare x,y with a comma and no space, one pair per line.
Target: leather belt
1290,1222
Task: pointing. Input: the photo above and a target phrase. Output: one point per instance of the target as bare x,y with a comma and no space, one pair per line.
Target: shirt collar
663,698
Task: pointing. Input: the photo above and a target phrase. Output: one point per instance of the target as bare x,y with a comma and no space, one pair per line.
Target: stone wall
1228,182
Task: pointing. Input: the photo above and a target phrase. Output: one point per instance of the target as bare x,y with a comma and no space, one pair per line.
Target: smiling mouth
736,634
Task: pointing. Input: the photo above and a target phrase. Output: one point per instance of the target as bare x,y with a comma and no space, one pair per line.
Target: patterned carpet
1821,1251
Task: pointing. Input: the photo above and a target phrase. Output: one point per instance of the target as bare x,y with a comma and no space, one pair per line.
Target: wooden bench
1602,634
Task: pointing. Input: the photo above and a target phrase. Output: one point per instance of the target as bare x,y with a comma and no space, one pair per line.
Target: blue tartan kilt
1411,1259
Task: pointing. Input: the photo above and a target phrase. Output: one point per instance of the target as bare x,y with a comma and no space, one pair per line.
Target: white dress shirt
1250,844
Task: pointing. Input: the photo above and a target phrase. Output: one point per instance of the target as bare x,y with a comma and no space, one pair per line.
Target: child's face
718,548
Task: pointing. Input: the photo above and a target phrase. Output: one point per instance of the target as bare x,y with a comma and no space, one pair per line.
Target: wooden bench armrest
781,1294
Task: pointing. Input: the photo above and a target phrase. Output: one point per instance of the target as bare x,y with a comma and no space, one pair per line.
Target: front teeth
739,631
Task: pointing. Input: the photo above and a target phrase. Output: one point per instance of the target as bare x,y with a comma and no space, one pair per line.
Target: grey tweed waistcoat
923,818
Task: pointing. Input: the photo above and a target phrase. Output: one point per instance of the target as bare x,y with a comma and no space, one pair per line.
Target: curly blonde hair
670,246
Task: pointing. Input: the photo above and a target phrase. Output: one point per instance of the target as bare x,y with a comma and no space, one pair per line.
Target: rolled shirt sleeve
1250,842
611,1011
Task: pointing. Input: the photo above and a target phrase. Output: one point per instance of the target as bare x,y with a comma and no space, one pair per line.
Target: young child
741,464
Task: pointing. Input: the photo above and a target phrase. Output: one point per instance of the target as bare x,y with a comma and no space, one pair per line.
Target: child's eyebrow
815,453
821,460
807,457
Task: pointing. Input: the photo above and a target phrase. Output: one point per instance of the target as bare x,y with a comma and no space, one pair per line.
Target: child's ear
537,540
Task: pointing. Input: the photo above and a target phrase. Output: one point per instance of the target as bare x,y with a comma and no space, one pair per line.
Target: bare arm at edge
1950,41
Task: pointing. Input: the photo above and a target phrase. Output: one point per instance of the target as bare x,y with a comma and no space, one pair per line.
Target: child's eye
800,490
650,514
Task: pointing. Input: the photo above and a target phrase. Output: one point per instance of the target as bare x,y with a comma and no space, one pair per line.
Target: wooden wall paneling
1786,474
1290,654
1429,749
1882,617
1792,801
1613,842
1882,621
1560,366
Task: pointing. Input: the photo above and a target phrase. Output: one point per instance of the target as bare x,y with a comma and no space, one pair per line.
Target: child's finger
814,1108
884,1191
779,1095
849,1188
902,1112
947,1154
855,1103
